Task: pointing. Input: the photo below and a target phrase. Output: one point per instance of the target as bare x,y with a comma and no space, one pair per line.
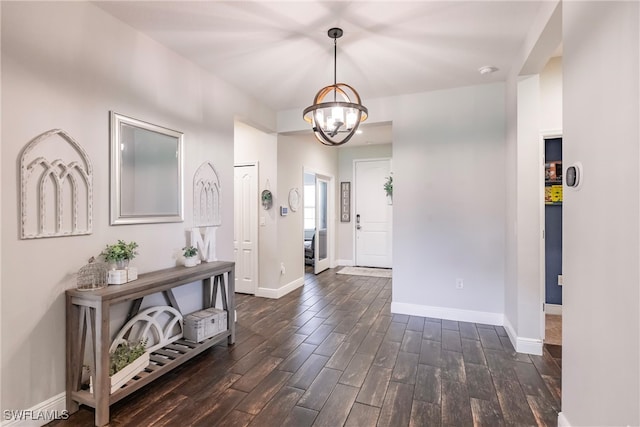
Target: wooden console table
89,311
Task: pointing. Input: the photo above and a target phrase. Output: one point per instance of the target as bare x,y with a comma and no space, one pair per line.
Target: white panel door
245,229
373,214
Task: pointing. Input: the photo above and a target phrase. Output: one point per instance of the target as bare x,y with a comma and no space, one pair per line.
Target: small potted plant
267,199
120,254
388,188
125,362
190,256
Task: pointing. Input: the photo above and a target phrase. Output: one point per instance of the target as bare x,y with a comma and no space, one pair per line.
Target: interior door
245,229
321,261
373,211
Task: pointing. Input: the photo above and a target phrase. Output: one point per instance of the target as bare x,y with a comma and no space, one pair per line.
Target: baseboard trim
345,262
555,309
447,313
523,344
38,415
280,292
563,421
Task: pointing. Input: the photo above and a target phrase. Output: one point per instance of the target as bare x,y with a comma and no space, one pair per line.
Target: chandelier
335,122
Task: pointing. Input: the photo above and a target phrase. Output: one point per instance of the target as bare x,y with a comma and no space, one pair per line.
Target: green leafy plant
388,186
189,251
120,251
124,354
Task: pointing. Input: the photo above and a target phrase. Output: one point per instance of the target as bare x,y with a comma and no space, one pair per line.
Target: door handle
358,227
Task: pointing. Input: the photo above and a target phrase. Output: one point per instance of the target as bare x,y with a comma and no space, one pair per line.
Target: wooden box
222,318
203,324
120,277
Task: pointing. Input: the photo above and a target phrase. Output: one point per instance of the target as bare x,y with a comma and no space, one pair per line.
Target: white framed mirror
146,172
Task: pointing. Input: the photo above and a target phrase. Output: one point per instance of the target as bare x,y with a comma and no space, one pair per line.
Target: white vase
191,261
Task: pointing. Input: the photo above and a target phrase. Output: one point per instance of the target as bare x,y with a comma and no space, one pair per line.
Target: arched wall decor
206,197
159,326
56,197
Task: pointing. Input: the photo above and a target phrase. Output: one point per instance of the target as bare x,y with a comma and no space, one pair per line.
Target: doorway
553,240
245,228
317,221
373,213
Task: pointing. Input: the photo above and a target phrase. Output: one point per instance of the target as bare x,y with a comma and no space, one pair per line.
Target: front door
245,229
373,214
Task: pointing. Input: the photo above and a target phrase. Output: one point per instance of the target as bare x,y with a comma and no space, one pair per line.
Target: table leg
102,384
206,293
231,287
72,329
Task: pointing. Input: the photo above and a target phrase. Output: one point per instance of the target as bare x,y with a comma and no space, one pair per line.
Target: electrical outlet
459,284
560,280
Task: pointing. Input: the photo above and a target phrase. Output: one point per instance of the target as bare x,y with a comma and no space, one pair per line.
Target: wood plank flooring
332,354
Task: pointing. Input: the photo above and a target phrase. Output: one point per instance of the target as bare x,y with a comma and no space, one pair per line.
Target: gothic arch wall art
206,197
56,187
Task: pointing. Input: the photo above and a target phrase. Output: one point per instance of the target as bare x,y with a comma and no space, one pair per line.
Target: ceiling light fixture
335,122
487,69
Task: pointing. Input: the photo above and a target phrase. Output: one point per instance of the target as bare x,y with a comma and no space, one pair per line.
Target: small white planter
121,377
191,261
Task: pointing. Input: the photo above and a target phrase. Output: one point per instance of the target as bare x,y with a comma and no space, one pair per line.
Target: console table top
154,281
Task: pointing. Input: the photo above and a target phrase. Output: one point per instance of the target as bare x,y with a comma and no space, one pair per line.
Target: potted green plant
267,199
120,253
190,254
125,362
388,188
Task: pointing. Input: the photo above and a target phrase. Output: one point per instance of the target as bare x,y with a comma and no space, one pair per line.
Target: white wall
253,145
601,300
297,153
346,155
449,199
523,302
65,65
551,96
449,203
529,216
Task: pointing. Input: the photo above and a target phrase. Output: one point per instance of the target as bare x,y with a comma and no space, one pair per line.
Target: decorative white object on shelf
120,277
159,326
203,324
206,197
294,199
191,261
206,244
56,187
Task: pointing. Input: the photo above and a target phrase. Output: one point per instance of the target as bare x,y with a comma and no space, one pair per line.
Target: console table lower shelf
163,360
88,320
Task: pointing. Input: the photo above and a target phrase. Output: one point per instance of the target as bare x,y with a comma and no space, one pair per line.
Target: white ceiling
280,53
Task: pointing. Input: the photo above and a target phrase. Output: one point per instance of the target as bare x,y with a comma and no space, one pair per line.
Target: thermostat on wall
284,211
574,175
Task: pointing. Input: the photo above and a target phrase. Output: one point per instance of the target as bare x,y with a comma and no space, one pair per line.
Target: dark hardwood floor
332,354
